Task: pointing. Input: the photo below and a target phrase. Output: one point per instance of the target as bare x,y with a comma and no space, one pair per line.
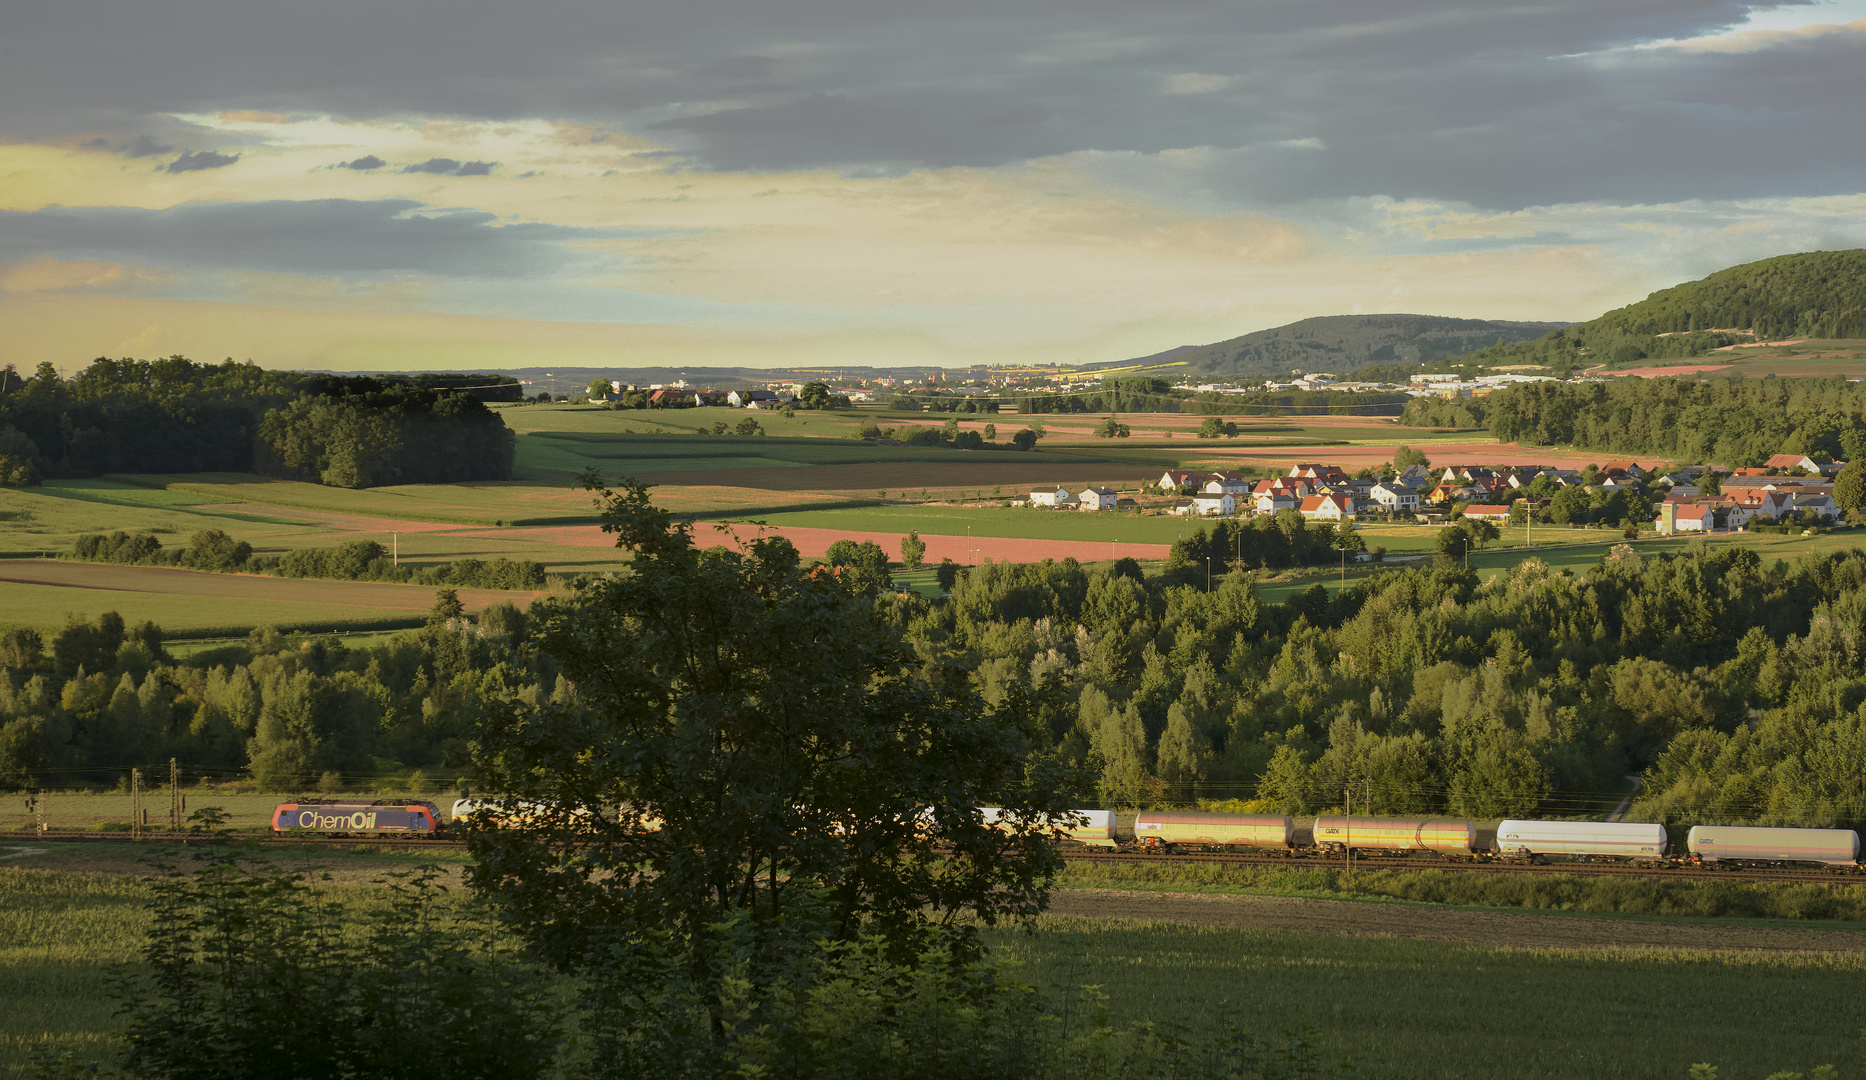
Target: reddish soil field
813,543
255,588
1353,458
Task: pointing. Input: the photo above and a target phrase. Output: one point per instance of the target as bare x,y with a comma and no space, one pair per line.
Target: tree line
1733,422
177,416
355,560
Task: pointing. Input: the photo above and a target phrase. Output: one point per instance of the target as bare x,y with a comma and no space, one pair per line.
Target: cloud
144,146
365,163
1192,82
450,167
355,240
1501,104
203,159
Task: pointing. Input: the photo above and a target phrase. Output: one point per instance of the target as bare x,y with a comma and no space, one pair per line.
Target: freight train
1328,835
1516,840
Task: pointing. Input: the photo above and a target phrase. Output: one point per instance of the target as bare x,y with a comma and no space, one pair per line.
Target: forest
1155,395
1738,690
1733,422
1819,294
177,416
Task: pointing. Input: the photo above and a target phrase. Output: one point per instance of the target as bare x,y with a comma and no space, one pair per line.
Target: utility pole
137,814
1348,847
38,808
174,796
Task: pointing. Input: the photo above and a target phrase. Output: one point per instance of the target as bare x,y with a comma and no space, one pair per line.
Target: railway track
1222,859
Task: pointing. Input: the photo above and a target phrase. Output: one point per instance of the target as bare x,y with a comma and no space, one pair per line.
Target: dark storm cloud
352,239
204,159
365,163
1493,102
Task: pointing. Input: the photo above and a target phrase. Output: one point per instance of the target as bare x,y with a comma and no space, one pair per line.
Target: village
1789,489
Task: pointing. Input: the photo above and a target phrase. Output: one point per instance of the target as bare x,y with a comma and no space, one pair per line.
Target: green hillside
1816,294
1337,343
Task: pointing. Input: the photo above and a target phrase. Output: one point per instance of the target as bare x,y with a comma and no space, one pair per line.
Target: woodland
177,416
1732,422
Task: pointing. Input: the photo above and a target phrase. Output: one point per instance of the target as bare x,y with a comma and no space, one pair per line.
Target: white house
1097,499
1269,502
1226,484
1175,479
1817,504
1056,496
1327,507
1394,496
1684,517
753,399
1223,504
1495,513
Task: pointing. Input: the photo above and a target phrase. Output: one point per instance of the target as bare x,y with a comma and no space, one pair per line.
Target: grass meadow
1397,1008
1425,1010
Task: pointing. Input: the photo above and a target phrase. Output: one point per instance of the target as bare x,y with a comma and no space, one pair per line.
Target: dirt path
1526,930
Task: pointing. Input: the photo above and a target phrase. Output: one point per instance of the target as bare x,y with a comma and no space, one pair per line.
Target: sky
434,184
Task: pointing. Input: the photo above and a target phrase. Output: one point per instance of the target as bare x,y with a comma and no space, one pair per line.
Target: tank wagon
1335,834
1533,841
1168,830
343,819
1737,845
1094,828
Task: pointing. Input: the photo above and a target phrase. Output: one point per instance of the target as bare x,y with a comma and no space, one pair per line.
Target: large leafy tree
750,748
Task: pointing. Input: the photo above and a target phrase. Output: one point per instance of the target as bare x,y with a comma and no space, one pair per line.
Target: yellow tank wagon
1166,830
1395,835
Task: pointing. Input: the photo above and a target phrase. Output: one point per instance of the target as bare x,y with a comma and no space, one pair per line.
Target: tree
1710,485
1111,428
947,574
991,432
753,760
1850,490
1211,427
599,389
863,567
1347,538
1025,439
749,426
1405,457
913,550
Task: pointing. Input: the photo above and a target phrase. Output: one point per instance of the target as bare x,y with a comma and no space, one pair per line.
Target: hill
1816,294
1337,343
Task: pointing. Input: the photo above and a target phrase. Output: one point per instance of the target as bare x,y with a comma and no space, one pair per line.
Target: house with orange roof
1326,507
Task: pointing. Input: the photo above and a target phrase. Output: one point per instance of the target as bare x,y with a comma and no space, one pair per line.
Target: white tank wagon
1166,829
1092,827
1585,840
1395,835
1750,845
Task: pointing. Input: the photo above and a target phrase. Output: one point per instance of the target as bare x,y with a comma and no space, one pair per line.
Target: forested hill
1339,343
1817,294
177,416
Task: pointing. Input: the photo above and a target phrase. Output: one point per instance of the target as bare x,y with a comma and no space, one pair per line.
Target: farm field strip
39,593
1386,1001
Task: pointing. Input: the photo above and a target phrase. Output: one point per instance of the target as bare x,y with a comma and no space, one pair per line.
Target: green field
1397,1008
1433,1011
